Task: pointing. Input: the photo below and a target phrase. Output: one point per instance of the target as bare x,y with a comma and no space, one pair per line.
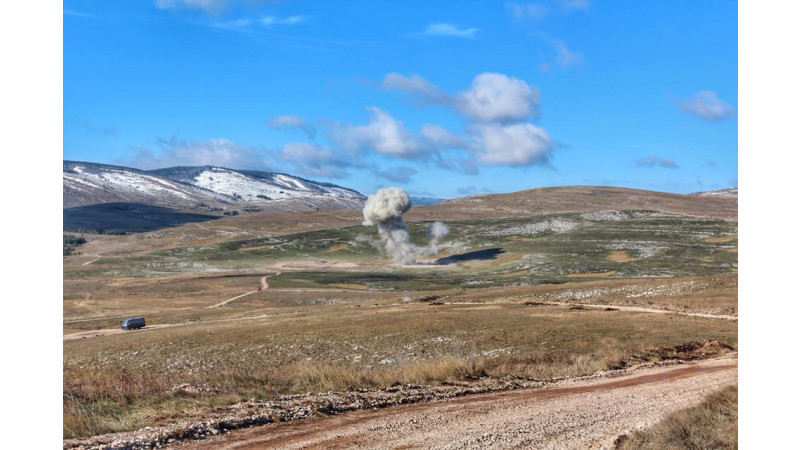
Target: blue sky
440,98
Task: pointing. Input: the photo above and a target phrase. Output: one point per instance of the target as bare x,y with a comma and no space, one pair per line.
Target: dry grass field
527,295
712,424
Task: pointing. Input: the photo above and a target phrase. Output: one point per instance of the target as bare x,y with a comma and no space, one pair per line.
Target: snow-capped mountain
199,188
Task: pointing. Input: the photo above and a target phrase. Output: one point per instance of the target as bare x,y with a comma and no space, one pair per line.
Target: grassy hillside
489,252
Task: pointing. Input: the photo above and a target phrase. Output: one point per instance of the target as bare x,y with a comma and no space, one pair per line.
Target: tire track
578,414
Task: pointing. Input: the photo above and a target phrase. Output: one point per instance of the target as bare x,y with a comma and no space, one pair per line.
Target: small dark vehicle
132,324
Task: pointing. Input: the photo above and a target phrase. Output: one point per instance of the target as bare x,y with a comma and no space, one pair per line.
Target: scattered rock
620,440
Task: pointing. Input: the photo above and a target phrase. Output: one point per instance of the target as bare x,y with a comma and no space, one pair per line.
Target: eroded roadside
508,412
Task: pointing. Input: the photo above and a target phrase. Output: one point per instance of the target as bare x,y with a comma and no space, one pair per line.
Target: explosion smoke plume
437,231
385,209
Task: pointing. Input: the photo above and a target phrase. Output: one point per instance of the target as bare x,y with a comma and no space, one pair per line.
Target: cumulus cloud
289,122
441,138
496,97
519,144
656,161
707,105
491,97
383,134
449,30
497,107
210,152
314,160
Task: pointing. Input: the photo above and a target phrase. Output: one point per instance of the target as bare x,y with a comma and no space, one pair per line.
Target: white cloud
519,144
236,25
416,85
705,104
268,21
402,174
527,12
210,152
446,29
442,138
565,57
68,12
534,12
288,122
313,160
495,97
497,107
653,161
383,134
209,6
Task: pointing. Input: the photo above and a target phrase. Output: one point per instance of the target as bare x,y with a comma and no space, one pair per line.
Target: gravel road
580,414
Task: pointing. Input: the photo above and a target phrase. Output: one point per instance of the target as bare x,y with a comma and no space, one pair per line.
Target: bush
71,243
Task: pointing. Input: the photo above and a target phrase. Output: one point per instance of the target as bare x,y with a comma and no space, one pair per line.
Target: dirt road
89,262
110,331
578,414
645,310
106,332
264,287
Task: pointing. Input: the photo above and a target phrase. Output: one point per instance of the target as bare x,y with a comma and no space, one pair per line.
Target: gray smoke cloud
385,209
436,232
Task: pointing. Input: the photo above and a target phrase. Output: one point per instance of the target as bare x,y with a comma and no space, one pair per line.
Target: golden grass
126,381
720,239
712,424
620,256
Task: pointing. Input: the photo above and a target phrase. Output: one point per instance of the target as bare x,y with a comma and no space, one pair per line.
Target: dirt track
110,331
645,310
264,286
581,414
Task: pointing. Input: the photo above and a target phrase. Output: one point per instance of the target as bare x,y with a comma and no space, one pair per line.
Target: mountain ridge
184,187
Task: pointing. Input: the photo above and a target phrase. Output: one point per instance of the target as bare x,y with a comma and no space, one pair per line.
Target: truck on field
132,324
